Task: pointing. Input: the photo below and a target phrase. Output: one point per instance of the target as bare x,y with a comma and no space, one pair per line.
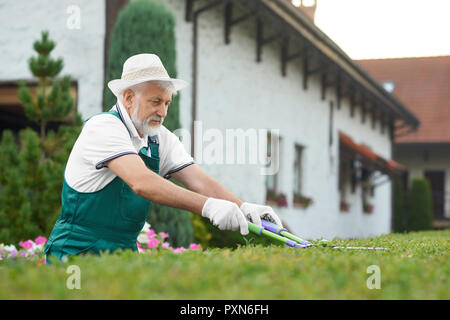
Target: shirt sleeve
173,155
105,137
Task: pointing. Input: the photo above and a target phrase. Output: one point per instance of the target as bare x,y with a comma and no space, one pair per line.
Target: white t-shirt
105,137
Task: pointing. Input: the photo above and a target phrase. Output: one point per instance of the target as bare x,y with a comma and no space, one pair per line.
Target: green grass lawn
416,267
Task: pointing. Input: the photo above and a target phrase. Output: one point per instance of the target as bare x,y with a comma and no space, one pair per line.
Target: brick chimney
308,7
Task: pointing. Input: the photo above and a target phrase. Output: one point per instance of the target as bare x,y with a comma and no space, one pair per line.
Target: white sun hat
141,68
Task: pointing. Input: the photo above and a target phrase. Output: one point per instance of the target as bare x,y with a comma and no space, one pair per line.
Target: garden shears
282,236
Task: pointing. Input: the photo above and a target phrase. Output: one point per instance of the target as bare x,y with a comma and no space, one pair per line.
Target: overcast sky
387,28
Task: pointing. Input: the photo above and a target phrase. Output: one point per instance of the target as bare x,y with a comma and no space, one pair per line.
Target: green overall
108,219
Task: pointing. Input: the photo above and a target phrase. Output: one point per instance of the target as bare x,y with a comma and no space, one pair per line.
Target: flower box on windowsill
344,206
301,201
276,199
367,208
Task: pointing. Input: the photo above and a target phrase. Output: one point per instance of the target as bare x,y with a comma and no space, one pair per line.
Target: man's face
148,109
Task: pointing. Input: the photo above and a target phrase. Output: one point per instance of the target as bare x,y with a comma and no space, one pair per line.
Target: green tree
420,206
144,26
32,165
53,101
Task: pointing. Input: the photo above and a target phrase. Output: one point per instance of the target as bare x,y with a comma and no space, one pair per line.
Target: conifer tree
32,171
53,101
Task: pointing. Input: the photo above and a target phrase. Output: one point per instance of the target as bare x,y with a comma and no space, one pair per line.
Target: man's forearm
213,188
162,191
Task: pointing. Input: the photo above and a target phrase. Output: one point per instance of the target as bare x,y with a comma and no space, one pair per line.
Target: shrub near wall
144,26
420,206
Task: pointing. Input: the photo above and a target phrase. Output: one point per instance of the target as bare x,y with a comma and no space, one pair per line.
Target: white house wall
82,49
236,92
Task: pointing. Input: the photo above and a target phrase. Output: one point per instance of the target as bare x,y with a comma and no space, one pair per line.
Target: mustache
154,118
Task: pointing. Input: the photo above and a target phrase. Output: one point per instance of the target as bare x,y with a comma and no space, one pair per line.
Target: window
273,160
389,86
346,179
367,189
298,179
12,114
274,196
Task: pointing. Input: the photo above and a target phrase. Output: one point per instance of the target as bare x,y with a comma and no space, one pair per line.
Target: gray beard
143,127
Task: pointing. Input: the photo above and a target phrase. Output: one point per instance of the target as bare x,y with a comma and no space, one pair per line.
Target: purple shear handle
283,232
272,227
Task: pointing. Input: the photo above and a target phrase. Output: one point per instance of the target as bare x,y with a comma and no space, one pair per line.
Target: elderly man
118,165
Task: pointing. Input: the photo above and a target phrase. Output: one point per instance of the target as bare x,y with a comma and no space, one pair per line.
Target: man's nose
162,111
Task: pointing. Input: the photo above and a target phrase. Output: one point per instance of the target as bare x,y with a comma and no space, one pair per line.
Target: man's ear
128,99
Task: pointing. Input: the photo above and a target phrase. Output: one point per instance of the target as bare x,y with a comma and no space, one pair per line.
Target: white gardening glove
256,212
225,215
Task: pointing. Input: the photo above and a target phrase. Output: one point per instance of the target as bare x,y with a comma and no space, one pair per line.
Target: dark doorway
437,184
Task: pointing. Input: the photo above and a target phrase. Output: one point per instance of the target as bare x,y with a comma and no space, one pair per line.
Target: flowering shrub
30,250
147,242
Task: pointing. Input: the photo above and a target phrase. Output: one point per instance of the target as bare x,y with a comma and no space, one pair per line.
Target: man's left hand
255,212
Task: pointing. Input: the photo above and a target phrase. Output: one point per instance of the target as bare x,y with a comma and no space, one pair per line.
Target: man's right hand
225,215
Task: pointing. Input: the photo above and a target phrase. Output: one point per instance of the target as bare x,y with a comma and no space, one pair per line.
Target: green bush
420,206
399,223
144,26
32,165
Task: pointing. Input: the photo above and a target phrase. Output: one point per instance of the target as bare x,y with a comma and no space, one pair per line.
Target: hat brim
118,85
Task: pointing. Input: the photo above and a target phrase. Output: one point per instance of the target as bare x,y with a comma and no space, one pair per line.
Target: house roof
300,38
423,85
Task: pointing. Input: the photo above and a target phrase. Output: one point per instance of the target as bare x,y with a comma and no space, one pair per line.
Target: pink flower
194,246
40,240
165,245
164,235
178,250
140,249
26,244
152,243
151,233
13,254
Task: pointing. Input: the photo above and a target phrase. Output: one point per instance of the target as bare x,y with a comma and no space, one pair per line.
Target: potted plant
302,201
